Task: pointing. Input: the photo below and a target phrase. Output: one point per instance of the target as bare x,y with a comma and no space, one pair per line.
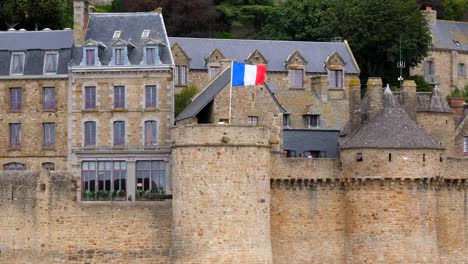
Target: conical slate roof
392,128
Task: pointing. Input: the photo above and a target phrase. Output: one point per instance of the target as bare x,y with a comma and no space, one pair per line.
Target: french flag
245,74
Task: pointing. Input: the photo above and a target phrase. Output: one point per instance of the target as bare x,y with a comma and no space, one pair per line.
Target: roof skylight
116,35
145,34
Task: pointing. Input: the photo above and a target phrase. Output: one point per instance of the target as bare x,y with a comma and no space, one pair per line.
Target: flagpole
230,94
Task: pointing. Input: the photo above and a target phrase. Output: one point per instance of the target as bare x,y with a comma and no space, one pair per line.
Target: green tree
183,99
32,14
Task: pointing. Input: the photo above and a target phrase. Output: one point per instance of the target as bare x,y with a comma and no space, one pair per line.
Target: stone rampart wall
41,222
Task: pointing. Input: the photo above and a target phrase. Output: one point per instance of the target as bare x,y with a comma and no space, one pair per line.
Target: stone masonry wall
41,222
31,117
441,127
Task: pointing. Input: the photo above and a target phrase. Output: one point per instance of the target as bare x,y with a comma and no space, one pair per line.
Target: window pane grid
150,56
15,99
150,96
119,97
106,176
48,134
51,62
17,65
119,133
90,97
151,176
90,57
90,133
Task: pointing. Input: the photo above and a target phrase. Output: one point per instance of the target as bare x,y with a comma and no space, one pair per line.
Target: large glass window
296,78
17,63
119,133
14,166
150,96
119,97
90,133
90,97
15,135
151,176
150,133
48,99
50,62
48,131
104,180
16,99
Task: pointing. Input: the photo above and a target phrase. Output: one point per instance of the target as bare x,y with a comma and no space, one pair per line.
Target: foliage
32,14
457,93
421,84
183,98
448,9
103,8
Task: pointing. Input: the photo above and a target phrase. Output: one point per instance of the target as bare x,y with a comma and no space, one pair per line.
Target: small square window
116,35
145,34
252,120
50,62
313,121
17,63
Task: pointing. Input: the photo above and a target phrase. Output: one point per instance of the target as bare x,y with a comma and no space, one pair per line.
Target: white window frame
145,34
309,119
11,62
252,120
45,62
116,34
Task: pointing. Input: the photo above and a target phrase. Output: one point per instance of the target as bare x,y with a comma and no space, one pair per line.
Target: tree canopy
33,14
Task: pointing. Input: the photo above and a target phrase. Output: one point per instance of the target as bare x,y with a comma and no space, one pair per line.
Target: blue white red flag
245,74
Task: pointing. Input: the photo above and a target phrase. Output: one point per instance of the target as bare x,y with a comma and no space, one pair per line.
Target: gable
256,57
215,56
180,57
296,59
335,60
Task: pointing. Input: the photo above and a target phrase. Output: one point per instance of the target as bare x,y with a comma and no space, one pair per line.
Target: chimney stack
374,97
80,17
354,103
431,15
409,98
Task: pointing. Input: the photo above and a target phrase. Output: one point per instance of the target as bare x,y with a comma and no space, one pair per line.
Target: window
150,58
145,34
296,78
119,97
116,35
17,63
465,145
90,97
48,130
150,96
252,120
50,62
151,176
213,71
90,133
290,153
461,70
119,133
335,79
14,166
48,99
15,135
15,99
90,57
48,166
286,120
118,56
313,120
107,176
180,75
429,71
315,154
150,133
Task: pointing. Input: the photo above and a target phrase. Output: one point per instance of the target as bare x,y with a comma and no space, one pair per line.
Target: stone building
33,87
120,103
447,60
307,79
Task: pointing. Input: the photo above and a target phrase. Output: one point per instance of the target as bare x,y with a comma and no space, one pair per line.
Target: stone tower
80,17
221,202
390,166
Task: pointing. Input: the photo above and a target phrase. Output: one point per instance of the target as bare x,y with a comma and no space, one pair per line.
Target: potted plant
456,100
103,194
88,195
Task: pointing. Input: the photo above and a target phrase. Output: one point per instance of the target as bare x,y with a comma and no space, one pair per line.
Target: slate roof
35,44
445,32
211,90
392,128
101,28
301,140
275,52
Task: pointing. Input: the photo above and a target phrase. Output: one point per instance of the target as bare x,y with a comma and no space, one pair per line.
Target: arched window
150,133
90,133
14,166
49,166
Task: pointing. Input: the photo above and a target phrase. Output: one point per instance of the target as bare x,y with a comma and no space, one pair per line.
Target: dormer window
119,56
17,63
145,34
116,35
151,55
90,57
50,62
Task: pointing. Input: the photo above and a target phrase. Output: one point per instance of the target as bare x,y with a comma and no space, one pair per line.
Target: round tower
221,189
390,166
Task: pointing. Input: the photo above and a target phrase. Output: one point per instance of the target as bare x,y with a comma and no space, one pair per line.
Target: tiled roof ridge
268,40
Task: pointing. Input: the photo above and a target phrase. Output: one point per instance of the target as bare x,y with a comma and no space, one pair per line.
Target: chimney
409,98
374,97
431,15
354,103
81,17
